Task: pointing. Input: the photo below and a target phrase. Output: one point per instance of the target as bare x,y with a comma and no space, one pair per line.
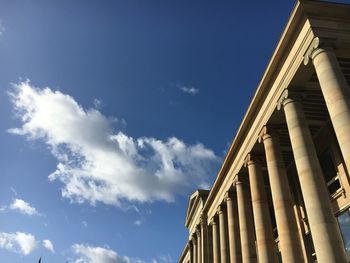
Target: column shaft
246,226
336,92
289,241
204,241
263,228
233,231
324,228
216,252
223,236
199,247
194,244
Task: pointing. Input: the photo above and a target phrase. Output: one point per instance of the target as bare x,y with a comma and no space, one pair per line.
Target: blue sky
113,112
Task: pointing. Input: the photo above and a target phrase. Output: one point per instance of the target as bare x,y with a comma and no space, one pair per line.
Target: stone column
324,228
223,235
216,252
194,244
191,251
204,240
336,92
266,247
246,226
289,241
233,229
199,246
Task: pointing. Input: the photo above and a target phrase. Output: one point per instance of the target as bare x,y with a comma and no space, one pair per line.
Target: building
283,191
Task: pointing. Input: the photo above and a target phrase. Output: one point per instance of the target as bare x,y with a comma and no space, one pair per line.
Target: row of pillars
245,231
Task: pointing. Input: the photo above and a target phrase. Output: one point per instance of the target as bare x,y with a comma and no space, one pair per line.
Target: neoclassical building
282,193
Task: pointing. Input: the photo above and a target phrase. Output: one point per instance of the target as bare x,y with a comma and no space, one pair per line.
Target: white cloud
2,28
97,103
23,207
163,259
18,242
97,164
48,245
89,254
84,223
189,90
138,222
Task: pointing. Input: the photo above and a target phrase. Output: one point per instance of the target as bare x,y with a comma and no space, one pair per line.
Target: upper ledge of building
194,201
302,10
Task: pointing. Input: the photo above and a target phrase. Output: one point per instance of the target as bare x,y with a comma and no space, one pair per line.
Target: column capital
252,159
220,209
316,47
248,160
203,220
212,221
194,240
266,133
198,232
287,97
228,196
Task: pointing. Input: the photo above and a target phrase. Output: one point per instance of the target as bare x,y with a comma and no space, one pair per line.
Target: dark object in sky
39,260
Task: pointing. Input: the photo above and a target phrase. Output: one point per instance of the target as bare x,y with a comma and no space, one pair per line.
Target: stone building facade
283,191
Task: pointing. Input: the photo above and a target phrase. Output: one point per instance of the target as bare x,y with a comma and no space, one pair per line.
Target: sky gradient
113,113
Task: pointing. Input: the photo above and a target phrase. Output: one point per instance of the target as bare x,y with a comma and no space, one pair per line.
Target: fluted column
324,228
194,244
204,240
199,246
336,92
216,252
191,251
266,247
246,226
289,241
233,229
223,235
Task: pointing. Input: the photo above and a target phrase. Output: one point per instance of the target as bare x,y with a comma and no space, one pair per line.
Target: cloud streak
97,163
189,90
90,254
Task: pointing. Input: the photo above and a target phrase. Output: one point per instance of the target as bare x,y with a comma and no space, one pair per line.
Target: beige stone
233,230
246,226
263,229
324,229
216,249
288,236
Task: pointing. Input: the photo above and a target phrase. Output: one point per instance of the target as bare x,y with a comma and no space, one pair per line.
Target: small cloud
189,90
84,223
19,242
48,245
97,103
138,222
89,254
163,259
2,28
14,191
23,207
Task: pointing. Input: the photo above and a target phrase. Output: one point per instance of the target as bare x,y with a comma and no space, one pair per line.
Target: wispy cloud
90,254
2,28
138,222
23,207
189,90
95,163
19,242
48,245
